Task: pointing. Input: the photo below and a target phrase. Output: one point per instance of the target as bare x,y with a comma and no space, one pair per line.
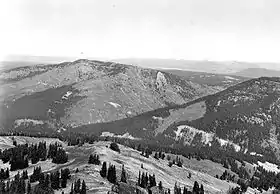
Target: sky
218,30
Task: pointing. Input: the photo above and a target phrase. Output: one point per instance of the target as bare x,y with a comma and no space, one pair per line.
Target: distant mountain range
244,69
258,72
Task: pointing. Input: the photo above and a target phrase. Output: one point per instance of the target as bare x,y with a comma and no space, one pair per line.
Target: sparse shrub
170,164
168,157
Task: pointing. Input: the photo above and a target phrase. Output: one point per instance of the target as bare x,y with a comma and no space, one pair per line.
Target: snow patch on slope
188,133
157,118
19,122
232,78
255,154
116,105
65,96
268,166
126,135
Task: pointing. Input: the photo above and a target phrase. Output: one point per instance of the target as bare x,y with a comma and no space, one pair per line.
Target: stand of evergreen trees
226,155
78,187
4,174
215,152
17,185
146,181
109,173
20,155
159,155
94,159
47,182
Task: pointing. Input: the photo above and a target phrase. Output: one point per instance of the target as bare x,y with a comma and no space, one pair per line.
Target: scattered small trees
196,189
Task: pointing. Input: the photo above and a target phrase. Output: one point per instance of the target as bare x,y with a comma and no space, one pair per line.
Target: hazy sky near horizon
242,30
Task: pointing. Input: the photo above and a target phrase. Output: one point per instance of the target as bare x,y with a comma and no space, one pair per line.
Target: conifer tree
156,156
123,175
47,181
162,156
72,189
55,180
84,188
28,187
60,157
24,174
185,191
143,181
139,178
7,173
160,185
8,186
196,188
201,189
65,175
103,171
111,176
77,186
90,160
42,179
2,186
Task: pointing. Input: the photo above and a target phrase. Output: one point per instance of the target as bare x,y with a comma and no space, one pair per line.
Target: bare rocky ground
202,171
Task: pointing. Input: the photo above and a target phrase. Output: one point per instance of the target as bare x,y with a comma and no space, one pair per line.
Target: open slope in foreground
202,171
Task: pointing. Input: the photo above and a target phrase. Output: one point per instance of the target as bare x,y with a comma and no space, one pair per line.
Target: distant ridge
217,67
258,72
